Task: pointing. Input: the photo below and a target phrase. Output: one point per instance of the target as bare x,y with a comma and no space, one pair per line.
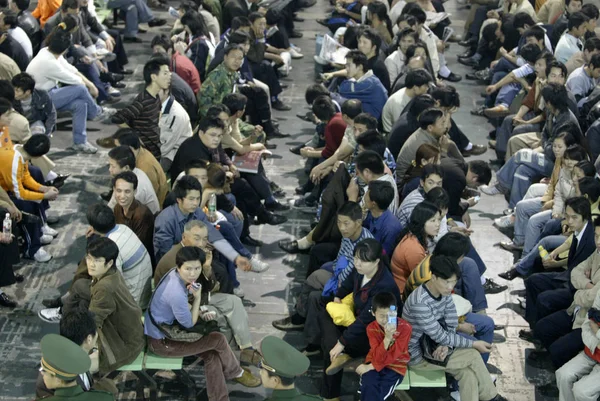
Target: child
385,365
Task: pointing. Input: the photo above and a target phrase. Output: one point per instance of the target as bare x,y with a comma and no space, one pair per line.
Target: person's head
350,109
210,131
100,218
364,122
406,21
367,255
193,23
198,170
188,193
380,306
431,177
314,91
371,140
233,57
433,120
536,36
162,44
259,23
195,233
446,98
530,52
562,141
556,73
220,112
24,84
157,73
124,186
591,11
445,272
59,42
236,103
349,219
439,198
8,20
7,91
37,146
573,6
589,187
189,261
522,22
578,212
479,173
369,165
369,42
591,47
406,38
454,245
356,64
323,108
418,81
424,222
542,62
419,49
130,138
241,24
420,104
216,176
5,109
120,159
573,155
69,7
379,196
578,24
419,15
79,326
556,98
20,5
101,256
427,154
583,168
594,66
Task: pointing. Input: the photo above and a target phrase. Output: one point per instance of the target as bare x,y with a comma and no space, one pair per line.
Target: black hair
556,64
439,197
235,102
254,16
216,175
592,44
239,38
231,47
197,163
323,108
373,37
23,81
103,247
431,169
162,40
447,96
240,22
547,56
367,120
123,155
358,59
482,170
128,176
577,19
452,244
5,106
444,267
575,152
22,5
371,160
403,33
368,250
536,32
352,108
420,215
285,381
420,104
215,109
128,137
489,32
521,19
591,10
418,13
351,210
184,185
190,254
10,18
101,218
7,91
597,222
152,67
380,10
595,61
581,206
410,52
272,16
382,193
193,20
314,91
37,145
530,52
208,123
77,325
69,5
409,19
58,41
418,77
371,139
556,95
587,167
382,300
589,186
429,117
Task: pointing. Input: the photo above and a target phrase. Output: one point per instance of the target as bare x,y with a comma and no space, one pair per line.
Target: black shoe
132,39
142,30
125,72
248,240
157,22
478,111
58,181
527,335
279,105
296,34
106,196
471,76
548,390
468,41
290,323
301,190
510,275
467,54
291,246
539,360
452,77
6,301
270,146
468,61
308,116
323,22
298,19
490,287
296,149
111,78
276,207
19,278
276,134
475,150
271,219
52,302
119,85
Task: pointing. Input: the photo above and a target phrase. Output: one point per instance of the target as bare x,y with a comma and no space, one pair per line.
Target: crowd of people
393,279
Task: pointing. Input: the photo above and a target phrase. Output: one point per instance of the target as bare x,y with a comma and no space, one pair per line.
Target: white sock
444,71
483,280
469,146
303,243
241,374
51,176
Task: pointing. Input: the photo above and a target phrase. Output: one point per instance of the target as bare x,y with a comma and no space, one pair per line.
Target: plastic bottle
543,253
7,227
212,207
392,322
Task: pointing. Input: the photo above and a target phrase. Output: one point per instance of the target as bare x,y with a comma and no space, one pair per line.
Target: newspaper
332,51
435,18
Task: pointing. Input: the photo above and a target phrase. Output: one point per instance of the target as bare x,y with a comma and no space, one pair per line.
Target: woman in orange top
423,226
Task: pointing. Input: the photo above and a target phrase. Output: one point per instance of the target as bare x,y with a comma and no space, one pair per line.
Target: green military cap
281,359
65,359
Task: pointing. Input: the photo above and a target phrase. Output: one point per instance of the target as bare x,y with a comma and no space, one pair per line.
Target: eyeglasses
262,365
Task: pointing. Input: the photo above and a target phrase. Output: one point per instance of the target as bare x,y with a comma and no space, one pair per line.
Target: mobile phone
477,199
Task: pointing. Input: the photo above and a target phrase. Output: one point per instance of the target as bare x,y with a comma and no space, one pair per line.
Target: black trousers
259,182
118,63
334,196
9,256
544,295
248,202
267,74
556,333
257,107
458,136
320,254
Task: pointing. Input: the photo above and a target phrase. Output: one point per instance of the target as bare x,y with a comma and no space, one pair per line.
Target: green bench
422,378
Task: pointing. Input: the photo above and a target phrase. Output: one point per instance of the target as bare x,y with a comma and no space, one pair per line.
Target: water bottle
392,322
543,253
7,227
212,207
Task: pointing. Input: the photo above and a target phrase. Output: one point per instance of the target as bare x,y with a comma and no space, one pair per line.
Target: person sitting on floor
380,221
35,104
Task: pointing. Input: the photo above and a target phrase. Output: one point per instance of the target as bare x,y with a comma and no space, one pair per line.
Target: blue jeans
485,330
472,254
469,285
230,234
523,212
535,225
136,11
92,72
519,171
525,265
77,100
378,386
507,130
507,94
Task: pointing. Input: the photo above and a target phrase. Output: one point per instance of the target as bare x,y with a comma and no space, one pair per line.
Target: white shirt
48,71
580,83
175,127
393,108
395,63
579,235
144,193
19,35
566,47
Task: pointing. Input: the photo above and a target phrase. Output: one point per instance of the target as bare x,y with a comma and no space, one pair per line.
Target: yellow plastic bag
342,314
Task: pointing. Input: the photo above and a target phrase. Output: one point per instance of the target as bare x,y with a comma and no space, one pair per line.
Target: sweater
369,90
584,297
396,357
407,256
15,177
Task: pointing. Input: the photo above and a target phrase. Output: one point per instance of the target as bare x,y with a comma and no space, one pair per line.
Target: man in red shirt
179,64
324,109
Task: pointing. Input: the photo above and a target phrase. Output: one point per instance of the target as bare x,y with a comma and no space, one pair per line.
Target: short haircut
431,169
409,19
447,96
382,193
123,155
197,163
351,210
5,105
77,325
383,300
592,44
587,167
59,41
101,218
208,123
194,21
22,5
372,140
254,16
439,197
373,37
418,77
418,13
186,184
595,61
37,145
103,247
152,67
190,225
575,152
521,19
162,41
591,10
530,52
231,47
420,104
369,160
367,120
10,18
581,206
128,176
535,31
216,175
597,222
358,59
69,5
235,102
240,22
577,19
559,65
429,117
128,137
482,170
314,91
352,108
190,254
239,38
444,267
368,250
23,81
590,186
323,108
7,90
556,95
452,244
215,109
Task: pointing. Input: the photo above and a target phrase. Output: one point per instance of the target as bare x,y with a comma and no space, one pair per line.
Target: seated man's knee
582,391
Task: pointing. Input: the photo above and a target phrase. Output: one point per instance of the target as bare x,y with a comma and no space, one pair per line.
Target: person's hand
594,326
503,52
462,230
15,213
337,165
93,91
588,274
490,89
440,353
262,10
209,315
340,9
550,263
326,76
278,59
180,47
493,64
237,213
6,239
234,170
493,14
467,328
553,255
545,180
243,263
336,350
589,286
518,121
364,368
258,147
557,216
352,191
466,218
472,201
389,331
304,152
109,43
207,266
51,194
197,293
444,141
337,300
547,205
86,60
482,346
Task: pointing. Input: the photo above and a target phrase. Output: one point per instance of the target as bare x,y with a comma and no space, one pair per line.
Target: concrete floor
268,295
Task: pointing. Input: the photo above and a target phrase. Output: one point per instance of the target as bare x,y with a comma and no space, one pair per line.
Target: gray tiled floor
270,294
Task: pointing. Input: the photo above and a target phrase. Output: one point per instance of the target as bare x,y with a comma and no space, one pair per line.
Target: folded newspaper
248,163
332,51
435,18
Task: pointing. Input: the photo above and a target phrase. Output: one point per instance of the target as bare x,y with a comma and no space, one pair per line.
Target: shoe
248,379
295,54
306,3
298,19
270,146
19,278
258,266
276,207
106,196
238,292
496,112
478,111
527,335
548,391
296,149
309,117
132,39
280,106
46,239
504,222
323,22
85,147
278,193
52,303
271,219
46,230
250,356
52,219
157,22
58,181
290,246
508,211
510,275
296,34
475,150
468,42
467,54
471,76
491,287
501,398
50,315
511,246
113,92
286,324
248,240
305,203
338,364
111,77
452,77
276,134
468,61
108,142
124,72
105,114
492,143
484,75
490,190
6,301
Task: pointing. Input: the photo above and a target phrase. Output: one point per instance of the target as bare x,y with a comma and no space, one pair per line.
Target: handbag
175,331
428,346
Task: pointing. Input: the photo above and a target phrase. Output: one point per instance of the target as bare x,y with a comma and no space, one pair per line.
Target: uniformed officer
279,367
62,362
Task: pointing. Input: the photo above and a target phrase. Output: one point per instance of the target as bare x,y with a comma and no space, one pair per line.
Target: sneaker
238,292
491,287
258,266
42,256
52,219
105,114
50,315
508,211
113,92
295,53
46,239
46,230
490,190
85,147
504,221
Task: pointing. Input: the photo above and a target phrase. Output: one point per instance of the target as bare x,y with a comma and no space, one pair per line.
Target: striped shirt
143,115
424,312
408,205
133,262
